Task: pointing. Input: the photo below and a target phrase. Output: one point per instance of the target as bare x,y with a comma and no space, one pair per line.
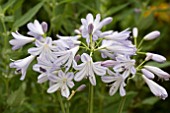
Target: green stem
135,41
142,53
140,64
91,99
101,99
121,104
85,46
61,102
67,107
141,42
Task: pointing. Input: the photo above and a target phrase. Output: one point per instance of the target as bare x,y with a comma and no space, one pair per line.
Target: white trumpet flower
62,82
20,40
22,65
88,69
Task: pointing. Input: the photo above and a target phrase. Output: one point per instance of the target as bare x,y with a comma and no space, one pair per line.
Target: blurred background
63,16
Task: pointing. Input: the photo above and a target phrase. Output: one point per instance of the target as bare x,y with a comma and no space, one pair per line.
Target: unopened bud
44,26
77,58
81,87
152,35
135,32
156,57
90,28
148,74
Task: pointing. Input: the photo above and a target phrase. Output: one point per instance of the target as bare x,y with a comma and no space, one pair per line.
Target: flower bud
156,57
156,89
135,32
152,35
157,71
81,87
147,73
44,26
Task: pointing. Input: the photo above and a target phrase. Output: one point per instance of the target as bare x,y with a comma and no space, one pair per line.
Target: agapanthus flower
36,29
117,82
43,49
88,69
93,27
20,40
157,71
156,89
63,81
22,65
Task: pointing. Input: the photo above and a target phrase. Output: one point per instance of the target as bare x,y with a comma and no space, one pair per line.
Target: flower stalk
61,102
91,90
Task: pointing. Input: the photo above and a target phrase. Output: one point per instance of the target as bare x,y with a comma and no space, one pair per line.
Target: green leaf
28,16
150,101
17,97
8,4
159,65
9,18
115,9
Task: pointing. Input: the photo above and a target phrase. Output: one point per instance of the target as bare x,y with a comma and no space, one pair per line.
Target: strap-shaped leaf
28,15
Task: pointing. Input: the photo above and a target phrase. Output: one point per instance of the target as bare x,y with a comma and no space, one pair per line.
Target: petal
61,74
122,91
81,74
85,57
42,78
113,88
34,51
108,79
70,75
53,88
65,91
78,67
92,79
97,20
89,18
104,22
70,84
98,69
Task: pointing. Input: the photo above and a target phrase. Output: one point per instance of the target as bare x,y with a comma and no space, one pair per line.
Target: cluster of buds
71,59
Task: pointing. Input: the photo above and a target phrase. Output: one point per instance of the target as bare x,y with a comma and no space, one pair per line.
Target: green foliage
63,16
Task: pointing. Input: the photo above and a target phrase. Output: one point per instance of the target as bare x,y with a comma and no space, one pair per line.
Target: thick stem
91,90
101,99
61,102
67,107
122,103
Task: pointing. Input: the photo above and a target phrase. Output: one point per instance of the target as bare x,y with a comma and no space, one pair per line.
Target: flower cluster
71,59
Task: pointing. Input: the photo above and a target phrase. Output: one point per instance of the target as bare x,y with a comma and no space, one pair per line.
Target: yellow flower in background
160,12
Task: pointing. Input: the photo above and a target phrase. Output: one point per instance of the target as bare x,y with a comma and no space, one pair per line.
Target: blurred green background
63,16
